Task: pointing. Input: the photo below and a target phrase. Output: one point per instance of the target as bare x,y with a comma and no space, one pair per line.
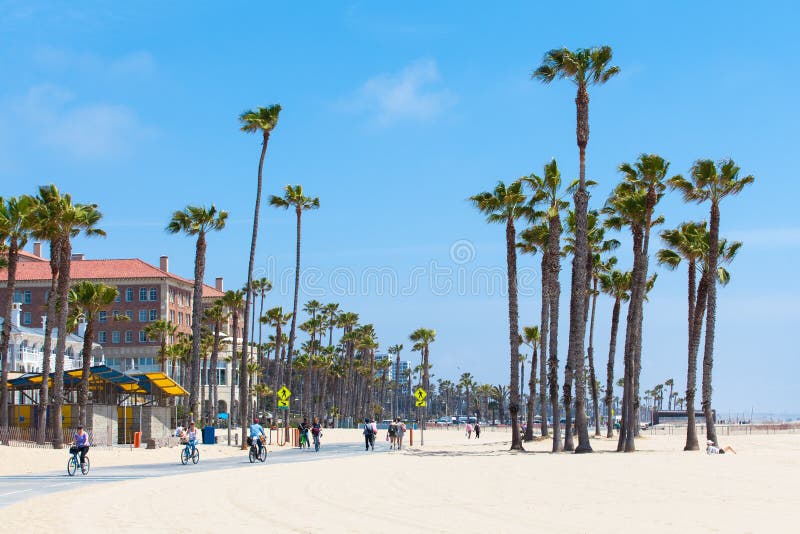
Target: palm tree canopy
709,181
530,335
87,298
293,197
584,66
263,119
15,218
194,220
617,284
504,203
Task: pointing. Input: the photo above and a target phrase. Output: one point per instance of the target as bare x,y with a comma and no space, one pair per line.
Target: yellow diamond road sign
421,403
420,394
284,394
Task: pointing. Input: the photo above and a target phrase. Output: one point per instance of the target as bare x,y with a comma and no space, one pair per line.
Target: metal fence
26,437
729,430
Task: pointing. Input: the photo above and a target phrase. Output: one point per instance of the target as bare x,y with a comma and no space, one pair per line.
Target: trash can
208,435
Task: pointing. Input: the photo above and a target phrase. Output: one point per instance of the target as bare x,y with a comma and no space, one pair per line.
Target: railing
26,437
728,430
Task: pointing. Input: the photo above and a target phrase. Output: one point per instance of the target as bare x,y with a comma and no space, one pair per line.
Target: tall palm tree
632,204
617,285
86,299
277,319
396,350
294,198
710,182
531,337
547,189
467,383
69,220
233,300
197,221
260,120
15,214
331,310
505,205
584,66
161,330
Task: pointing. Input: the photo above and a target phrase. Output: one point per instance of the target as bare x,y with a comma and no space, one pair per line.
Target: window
27,297
129,295
128,336
115,337
119,292
143,294
101,337
26,318
153,315
171,339
129,315
222,378
142,336
153,294
18,296
180,317
115,314
171,296
102,316
172,315
142,316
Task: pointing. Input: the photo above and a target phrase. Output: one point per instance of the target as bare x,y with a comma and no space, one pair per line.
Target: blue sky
393,116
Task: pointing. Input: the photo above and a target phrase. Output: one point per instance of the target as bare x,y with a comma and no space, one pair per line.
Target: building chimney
77,257
16,314
218,284
37,249
81,327
163,263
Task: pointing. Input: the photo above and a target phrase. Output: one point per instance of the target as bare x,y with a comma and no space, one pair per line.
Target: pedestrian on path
468,430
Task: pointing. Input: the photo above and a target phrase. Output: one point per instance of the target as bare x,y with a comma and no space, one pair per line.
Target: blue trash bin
208,435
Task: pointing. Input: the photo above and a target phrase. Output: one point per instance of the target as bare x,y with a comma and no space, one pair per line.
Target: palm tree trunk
612,348
531,398
397,387
232,381
5,338
513,332
711,321
553,253
294,310
83,387
61,342
697,306
278,367
44,390
590,353
543,327
214,375
197,314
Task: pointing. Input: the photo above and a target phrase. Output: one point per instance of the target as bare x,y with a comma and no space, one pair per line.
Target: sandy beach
451,485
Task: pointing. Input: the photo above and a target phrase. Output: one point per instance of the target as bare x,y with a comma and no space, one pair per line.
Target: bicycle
255,453
304,439
75,461
316,440
190,452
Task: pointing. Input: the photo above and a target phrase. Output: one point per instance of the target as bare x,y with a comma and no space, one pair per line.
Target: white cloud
132,65
55,119
411,93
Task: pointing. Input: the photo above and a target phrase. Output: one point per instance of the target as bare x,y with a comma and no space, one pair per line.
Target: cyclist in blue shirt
191,436
256,431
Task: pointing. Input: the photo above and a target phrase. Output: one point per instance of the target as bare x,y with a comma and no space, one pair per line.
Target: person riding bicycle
191,436
81,443
256,431
316,431
304,426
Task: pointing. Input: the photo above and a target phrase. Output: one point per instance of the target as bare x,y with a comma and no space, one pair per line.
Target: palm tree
293,197
531,337
15,214
330,310
504,205
161,330
617,285
467,383
632,204
584,66
216,315
260,120
396,350
233,299
197,221
547,189
277,319
712,183
260,288
422,338
67,220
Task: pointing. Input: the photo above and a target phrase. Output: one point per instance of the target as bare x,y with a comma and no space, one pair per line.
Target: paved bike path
15,488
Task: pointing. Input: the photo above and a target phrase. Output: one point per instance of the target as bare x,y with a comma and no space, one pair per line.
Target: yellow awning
162,382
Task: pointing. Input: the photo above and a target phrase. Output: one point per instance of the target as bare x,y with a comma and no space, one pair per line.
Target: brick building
146,293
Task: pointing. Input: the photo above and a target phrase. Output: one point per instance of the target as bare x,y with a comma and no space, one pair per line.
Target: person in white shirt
714,449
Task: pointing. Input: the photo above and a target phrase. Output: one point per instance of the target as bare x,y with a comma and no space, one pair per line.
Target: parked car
444,421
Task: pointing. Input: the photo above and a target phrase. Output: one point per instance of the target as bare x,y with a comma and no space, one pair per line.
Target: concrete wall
156,422
101,421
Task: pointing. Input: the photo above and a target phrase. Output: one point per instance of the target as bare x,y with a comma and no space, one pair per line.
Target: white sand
452,485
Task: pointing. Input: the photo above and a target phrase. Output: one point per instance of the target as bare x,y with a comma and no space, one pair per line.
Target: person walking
468,430
369,435
401,431
392,432
477,430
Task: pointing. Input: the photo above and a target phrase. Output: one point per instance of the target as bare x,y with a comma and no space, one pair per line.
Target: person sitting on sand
714,449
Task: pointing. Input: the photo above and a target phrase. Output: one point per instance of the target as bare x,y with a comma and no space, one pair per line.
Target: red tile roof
29,271
27,256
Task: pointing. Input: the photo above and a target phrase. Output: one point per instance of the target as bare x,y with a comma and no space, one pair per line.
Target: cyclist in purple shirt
81,442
